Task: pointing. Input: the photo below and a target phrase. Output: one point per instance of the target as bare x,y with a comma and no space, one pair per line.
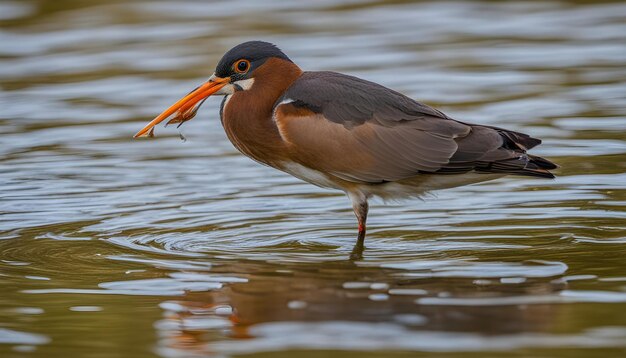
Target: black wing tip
518,141
531,142
526,165
542,163
538,167
540,174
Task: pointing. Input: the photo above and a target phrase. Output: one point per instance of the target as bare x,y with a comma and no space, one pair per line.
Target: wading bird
341,132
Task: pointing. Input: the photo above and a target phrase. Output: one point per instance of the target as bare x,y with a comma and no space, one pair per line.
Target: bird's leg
360,207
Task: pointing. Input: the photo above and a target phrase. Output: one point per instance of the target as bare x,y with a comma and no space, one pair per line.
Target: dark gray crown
256,52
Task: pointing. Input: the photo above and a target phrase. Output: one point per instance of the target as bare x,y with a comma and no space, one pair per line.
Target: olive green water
113,247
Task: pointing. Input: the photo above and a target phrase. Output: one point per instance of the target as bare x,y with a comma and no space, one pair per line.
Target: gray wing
393,137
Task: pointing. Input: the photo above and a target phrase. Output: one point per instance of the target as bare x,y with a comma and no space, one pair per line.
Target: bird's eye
242,66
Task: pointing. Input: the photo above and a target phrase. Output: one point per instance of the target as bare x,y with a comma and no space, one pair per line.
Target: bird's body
345,133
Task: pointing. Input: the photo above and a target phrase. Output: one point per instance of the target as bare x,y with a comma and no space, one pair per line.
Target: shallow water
119,247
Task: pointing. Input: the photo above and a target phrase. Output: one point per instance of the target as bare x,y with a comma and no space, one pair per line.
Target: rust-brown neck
247,114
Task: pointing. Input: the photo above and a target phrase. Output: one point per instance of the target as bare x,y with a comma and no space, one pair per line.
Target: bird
342,132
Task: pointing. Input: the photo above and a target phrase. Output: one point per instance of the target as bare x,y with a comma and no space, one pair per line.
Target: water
119,247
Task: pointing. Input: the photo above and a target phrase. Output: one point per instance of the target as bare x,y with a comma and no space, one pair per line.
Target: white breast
309,175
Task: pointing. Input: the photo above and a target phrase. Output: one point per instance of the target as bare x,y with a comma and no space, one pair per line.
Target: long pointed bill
186,107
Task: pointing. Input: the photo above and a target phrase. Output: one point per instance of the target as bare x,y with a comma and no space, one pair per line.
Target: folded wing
366,133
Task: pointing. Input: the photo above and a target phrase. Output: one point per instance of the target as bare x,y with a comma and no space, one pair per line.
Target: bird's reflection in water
352,297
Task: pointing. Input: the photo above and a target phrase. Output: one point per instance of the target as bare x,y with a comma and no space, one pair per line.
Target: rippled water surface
113,247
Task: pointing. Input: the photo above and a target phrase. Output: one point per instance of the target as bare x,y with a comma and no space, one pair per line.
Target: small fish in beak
187,107
183,116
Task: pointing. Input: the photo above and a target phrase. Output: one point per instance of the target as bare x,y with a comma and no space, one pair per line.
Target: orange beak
186,107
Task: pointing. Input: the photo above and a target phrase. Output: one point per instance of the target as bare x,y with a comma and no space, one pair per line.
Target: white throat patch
245,84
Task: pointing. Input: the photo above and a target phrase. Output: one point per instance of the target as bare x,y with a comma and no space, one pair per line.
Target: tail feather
527,165
516,140
542,163
495,150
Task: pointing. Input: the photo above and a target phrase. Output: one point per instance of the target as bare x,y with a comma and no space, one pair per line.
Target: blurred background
113,247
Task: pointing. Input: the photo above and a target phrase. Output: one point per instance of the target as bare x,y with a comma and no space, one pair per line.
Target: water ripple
191,249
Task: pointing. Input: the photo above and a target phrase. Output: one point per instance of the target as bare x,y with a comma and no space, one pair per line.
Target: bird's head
235,72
